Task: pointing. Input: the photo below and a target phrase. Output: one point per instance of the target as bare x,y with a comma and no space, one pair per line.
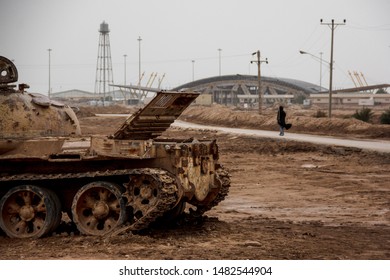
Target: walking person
281,120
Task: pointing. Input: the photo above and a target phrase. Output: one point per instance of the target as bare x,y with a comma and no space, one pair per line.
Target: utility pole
332,25
321,53
259,61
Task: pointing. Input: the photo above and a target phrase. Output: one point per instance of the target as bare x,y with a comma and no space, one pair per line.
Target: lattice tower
104,74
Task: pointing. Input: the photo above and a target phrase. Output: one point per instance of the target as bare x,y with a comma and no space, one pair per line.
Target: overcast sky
175,32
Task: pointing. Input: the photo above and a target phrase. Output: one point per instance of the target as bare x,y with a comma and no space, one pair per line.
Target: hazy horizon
174,33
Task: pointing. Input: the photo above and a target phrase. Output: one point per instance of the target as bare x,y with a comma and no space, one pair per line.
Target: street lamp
49,91
139,57
219,50
139,64
321,62
193,67
258,61
124,56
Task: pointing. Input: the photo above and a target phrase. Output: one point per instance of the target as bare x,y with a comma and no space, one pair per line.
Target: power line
382,27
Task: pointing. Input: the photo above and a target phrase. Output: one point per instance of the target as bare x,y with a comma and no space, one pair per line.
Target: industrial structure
135,94
104,75
362,96
243,89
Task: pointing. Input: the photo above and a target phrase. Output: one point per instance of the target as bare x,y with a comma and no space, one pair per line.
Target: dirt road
368,144
288,200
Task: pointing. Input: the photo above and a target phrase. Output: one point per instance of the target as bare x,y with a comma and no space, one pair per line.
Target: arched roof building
234,89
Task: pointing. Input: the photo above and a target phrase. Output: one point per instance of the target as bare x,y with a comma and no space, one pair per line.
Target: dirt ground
288,200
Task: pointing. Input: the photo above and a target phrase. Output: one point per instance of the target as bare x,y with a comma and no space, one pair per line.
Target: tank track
167,198
36,177
166,201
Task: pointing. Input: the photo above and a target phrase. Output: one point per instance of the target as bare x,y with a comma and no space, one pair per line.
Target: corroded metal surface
29,115
98,208
21,116
150,193
156,117
31,212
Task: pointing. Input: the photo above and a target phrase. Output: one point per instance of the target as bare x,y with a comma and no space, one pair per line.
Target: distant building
73,94
243,89
362,96
117,96
362,99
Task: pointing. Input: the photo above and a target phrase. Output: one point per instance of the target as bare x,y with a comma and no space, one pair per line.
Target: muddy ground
287,200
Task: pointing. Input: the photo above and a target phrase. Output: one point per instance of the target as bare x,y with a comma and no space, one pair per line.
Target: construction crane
364,79
140,92
358,80
353,80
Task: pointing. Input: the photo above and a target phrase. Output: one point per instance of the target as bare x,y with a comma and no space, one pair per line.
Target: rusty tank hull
106,184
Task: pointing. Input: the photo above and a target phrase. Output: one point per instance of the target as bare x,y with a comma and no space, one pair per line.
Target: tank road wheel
29,212
98,208
146,191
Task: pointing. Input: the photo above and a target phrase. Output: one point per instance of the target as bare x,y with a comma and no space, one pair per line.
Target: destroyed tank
105,184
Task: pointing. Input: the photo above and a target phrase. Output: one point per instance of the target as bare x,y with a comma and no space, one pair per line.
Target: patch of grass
320,114
364,114
385,117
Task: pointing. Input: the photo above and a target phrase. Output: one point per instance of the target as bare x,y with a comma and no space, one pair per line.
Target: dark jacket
281,117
